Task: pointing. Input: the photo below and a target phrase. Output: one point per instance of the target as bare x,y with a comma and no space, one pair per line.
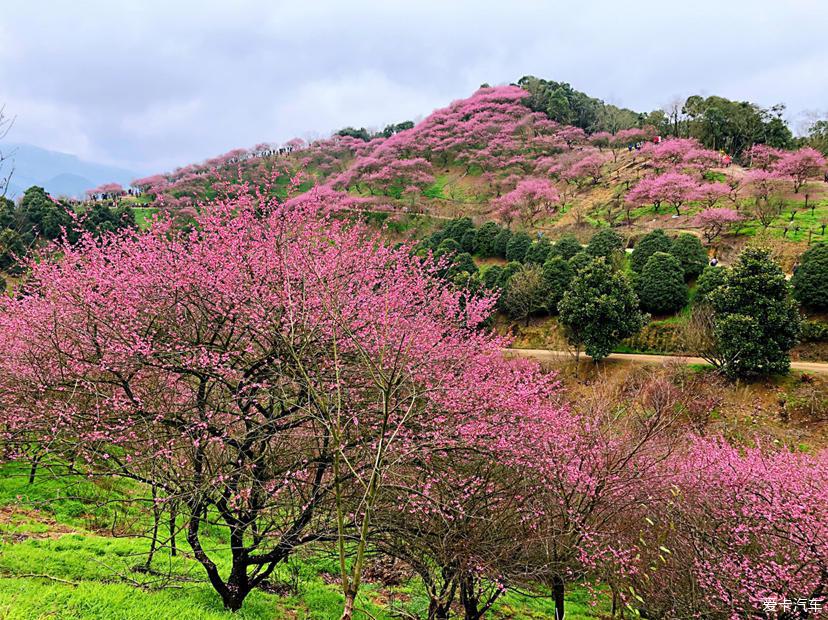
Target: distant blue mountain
60,174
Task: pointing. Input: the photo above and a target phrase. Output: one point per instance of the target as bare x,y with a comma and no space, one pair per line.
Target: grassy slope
58,559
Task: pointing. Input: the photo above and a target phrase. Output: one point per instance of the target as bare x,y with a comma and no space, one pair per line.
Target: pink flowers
714,222
531,199
107,190
674,188
801,165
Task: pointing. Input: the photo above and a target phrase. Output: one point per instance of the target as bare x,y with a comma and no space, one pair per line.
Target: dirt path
642,358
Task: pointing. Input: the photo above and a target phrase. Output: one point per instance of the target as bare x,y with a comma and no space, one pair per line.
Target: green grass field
60,559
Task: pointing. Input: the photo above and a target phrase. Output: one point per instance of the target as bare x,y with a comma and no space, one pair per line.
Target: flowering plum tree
801,165
531,199
237,368
711,193
678,154
762,156
107,190
588,167
715,221
674,188
729,530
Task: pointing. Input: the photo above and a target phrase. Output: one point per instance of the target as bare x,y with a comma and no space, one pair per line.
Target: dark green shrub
649,244
501,242
448,246
507,272
579,261
517,246
567,246
538,252
710,279
690,252
814,331
557,274
660,285
599,310
469,241
491,277
486,236
457,227
606,242
755,321
810,282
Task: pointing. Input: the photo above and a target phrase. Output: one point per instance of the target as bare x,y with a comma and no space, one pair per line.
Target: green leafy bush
649,244
690,252
810,282
660,286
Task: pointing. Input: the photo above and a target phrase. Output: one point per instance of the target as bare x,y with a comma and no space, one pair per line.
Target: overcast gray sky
153,84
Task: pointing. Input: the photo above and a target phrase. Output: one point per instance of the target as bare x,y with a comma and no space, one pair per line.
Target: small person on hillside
714,261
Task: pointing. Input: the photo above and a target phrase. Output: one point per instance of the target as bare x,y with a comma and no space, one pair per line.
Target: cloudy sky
153,84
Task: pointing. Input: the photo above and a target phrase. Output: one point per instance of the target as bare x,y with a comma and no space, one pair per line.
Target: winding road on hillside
643,358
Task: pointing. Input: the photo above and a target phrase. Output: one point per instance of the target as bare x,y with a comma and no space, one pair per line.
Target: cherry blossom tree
588,167
763,183
237,367
732,530
801,165
105,191
715,221
711,193
674,188
762,156
600,139
531,199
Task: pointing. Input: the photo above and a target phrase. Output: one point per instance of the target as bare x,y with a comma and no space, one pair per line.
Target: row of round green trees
686,248
493,241
752,320
662,267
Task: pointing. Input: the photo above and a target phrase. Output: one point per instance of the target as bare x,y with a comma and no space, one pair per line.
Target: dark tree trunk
438,612
558,595
156,518
33,469
172,526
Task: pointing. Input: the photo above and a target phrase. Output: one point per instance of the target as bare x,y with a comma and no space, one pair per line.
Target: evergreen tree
517,246
491,277
810,282
606,242
755,320
469,241
567,246
691,254
557,274
710,279
660,286
538,252
507,273
501,242
599,310
649,244
457,227
486,236
579,261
